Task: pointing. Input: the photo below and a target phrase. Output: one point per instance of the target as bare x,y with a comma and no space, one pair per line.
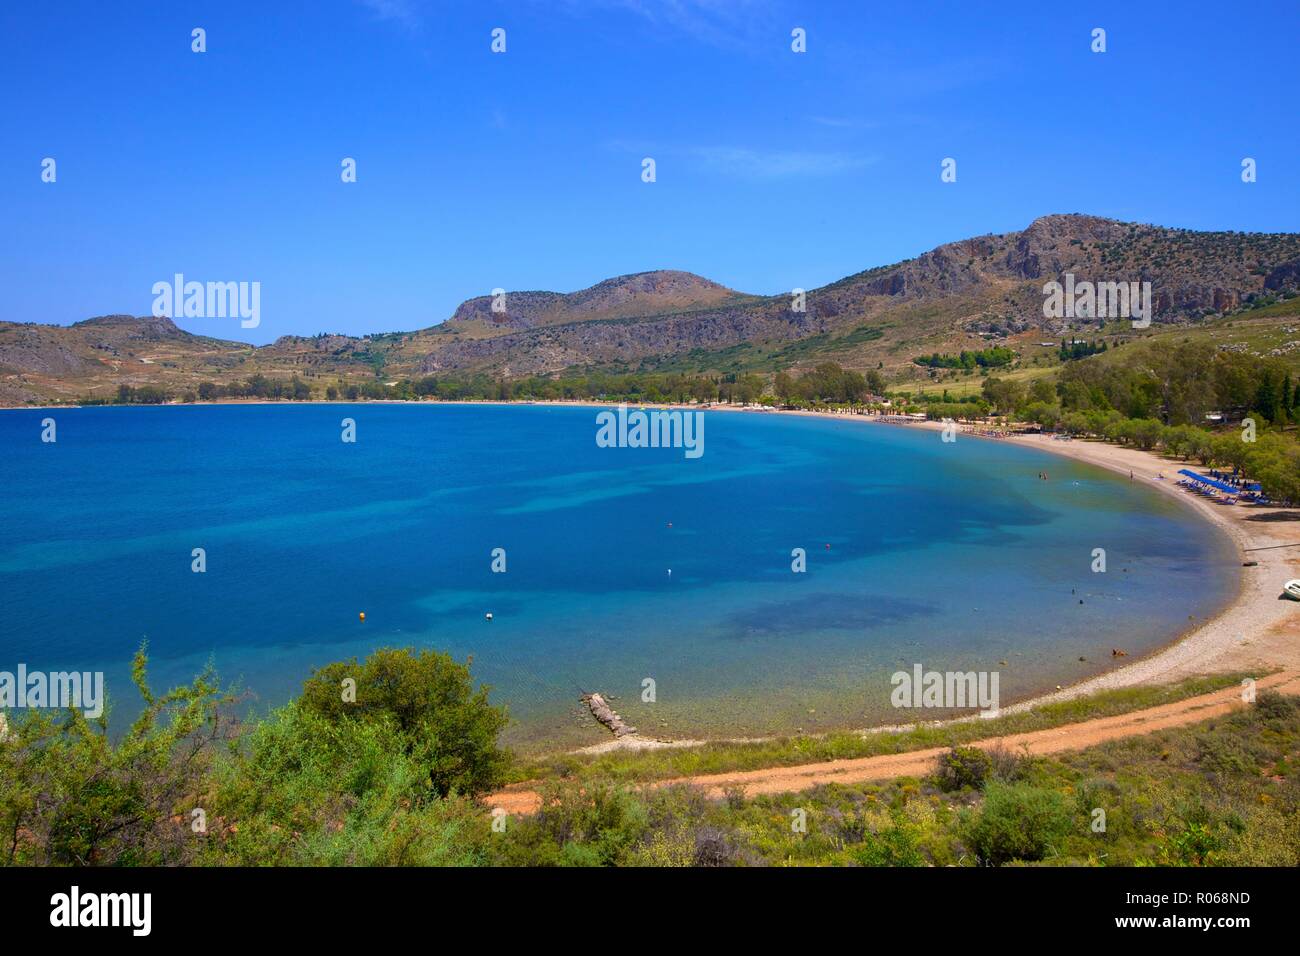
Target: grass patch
723,757
1166,798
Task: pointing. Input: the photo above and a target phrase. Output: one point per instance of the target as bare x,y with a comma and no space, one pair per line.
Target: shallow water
955,556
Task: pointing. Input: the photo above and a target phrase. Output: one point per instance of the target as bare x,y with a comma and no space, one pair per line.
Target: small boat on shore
1292,589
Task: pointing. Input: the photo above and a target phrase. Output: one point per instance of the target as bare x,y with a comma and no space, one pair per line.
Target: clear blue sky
522,170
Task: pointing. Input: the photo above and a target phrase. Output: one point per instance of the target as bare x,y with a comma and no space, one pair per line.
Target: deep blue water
956,556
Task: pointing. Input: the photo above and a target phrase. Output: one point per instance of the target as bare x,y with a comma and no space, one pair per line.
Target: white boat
1292,589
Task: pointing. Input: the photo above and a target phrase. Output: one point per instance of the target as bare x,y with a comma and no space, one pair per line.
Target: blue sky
523,170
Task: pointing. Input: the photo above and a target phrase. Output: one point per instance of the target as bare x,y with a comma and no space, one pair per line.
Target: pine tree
1266,398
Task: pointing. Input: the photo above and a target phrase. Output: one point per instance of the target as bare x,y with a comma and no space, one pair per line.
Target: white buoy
670,571
488,615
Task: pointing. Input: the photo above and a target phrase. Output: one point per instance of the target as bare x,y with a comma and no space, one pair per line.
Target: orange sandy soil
916,763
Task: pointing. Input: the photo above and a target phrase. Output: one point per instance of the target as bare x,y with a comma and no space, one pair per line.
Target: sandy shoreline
1259,628
1255,631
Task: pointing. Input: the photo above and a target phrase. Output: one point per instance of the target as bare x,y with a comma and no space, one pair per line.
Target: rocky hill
641,294
963,294
952,296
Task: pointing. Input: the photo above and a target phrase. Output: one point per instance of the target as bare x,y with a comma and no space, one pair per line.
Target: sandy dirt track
921,762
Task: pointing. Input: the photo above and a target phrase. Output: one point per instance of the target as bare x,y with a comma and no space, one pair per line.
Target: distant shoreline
1254,630
1245,621
1243,635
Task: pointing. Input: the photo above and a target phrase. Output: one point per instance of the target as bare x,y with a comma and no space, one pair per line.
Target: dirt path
921,762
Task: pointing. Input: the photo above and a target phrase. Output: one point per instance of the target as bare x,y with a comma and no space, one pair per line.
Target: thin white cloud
717,22
777,164
405,12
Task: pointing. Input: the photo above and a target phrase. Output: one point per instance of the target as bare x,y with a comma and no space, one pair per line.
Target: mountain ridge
958,294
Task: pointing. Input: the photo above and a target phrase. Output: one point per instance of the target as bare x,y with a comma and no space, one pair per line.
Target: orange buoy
363,615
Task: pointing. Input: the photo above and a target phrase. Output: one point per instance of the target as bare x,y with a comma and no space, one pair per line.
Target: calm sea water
954,556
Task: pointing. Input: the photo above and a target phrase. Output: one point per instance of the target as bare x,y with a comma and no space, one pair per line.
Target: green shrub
72,795
1270,705
594,824
1004,765
1229,754
665,848
1270,837
305,791
1017,822
895,845
963,767
429,701
1194,844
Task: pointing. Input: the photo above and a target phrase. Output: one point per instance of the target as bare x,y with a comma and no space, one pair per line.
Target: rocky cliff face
31,348
983,286
645,293
554,347
1285,276
145,327
1192,274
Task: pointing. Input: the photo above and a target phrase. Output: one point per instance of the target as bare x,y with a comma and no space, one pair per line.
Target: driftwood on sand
605,714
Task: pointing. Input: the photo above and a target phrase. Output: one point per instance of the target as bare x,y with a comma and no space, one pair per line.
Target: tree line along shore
1223,408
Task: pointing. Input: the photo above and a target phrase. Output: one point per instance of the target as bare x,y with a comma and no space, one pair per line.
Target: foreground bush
1018,822
69,795
426,699
896,845
303,790
963,767
380,780
604,824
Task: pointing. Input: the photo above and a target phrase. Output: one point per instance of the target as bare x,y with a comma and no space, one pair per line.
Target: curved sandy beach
1258,630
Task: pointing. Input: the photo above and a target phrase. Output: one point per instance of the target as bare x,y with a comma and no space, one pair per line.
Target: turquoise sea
954,556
